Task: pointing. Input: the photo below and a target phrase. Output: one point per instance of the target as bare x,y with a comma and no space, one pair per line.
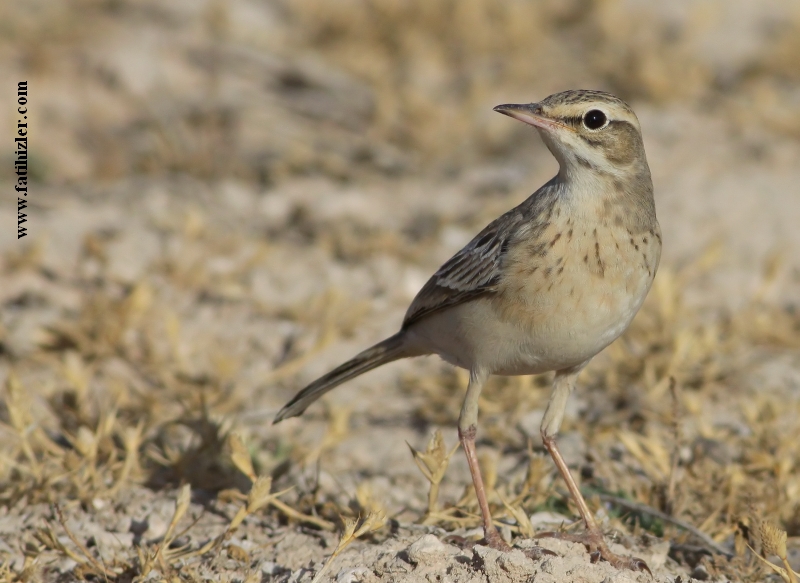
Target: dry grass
111,398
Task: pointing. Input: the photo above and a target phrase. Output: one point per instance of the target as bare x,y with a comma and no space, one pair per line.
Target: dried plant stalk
353,529
433,464
773,541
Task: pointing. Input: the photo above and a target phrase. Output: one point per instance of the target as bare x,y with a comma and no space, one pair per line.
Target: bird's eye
594,119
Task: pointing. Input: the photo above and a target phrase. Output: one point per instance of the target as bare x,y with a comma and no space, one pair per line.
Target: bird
544,287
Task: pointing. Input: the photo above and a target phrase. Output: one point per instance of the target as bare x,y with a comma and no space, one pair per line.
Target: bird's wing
473,271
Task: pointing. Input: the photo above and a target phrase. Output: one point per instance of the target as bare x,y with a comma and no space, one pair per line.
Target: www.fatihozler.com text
21,158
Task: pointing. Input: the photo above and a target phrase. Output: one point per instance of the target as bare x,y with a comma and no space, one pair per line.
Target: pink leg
490,533
593,537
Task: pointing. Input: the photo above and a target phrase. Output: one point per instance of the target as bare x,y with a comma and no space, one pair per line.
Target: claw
458,541
595,556
631,563
492,539
537,553
640,565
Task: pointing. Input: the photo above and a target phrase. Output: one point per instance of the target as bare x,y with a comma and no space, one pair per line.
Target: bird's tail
386,351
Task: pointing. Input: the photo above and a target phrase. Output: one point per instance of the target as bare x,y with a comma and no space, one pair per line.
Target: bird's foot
598,549
493,540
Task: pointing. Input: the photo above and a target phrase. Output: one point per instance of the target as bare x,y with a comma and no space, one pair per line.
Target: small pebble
427,550
351,575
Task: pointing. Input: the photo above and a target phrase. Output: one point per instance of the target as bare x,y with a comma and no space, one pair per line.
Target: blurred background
231,196
263,91
254,95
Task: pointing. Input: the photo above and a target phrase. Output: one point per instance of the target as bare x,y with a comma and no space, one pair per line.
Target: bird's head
586,130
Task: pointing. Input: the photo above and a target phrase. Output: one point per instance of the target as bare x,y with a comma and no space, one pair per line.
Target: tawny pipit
544,287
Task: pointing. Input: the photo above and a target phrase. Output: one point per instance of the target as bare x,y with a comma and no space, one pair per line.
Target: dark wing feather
473,271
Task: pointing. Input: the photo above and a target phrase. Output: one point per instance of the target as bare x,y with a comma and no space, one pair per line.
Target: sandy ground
157,317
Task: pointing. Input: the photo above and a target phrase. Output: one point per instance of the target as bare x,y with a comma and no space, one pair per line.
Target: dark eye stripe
616,124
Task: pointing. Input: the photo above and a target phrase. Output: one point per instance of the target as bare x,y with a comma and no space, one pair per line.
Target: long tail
386,351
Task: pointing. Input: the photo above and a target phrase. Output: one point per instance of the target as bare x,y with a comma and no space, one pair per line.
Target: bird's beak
530,113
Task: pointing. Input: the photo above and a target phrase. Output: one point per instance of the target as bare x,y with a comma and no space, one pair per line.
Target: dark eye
594,119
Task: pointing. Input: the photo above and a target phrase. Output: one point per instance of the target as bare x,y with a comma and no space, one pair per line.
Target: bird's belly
473,336
539,330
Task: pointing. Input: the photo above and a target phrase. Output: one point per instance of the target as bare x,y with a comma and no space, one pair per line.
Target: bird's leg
553,416
563,385
467,429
